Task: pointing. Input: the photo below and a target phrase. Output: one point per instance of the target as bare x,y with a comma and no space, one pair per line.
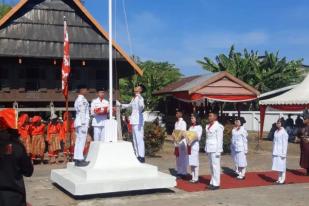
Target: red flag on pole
66,62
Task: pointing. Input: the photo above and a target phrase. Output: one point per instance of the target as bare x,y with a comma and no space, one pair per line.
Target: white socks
194,173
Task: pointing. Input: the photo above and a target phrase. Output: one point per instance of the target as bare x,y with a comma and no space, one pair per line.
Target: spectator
299,124
14,162
289,127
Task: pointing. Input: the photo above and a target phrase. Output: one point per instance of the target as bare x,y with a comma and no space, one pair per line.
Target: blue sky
183,31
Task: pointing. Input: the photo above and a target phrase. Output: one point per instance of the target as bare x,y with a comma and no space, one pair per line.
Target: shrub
154,136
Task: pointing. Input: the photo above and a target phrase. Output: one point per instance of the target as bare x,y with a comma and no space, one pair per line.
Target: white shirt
214,138
137,105
280,142
81,106
98,119
239,139
181,125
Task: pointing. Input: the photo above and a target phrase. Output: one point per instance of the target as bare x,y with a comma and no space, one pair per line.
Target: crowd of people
45,140
187,148
293,128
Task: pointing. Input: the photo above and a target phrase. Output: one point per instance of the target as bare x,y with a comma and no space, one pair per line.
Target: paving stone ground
41,192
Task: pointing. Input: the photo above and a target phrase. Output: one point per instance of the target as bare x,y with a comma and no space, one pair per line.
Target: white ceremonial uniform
137,122
213,148
81,125
239,149
98,119
195,149
182,161
280,147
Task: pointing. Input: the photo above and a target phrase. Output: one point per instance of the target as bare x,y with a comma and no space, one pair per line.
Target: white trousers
81,136
241,171
215,168
98,133
138,140
194,172
281,177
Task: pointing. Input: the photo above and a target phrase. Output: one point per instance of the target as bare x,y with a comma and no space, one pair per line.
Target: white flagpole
110,47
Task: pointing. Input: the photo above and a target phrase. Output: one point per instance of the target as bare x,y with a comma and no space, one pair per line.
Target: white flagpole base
113,168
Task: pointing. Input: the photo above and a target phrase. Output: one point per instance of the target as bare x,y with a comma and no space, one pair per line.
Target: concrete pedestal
113,168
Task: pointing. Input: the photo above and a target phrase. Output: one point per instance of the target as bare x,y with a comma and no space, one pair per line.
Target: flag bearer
181,152
239,146
37,131
280,147
195,148
81,125
213,149
137,122
99,111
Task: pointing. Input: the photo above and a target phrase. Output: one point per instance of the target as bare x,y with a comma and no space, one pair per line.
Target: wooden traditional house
31,51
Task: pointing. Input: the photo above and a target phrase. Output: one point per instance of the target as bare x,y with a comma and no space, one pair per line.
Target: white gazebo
296,99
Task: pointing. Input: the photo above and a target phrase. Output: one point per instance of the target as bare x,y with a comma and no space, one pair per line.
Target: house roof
212,84
299,95
35,28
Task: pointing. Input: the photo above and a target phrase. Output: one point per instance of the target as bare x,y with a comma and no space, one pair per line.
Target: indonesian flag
66,62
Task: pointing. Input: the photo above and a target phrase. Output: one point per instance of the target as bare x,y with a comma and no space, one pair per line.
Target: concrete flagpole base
113,168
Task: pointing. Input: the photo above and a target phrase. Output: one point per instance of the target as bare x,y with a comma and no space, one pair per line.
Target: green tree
156,75
265,72
4,8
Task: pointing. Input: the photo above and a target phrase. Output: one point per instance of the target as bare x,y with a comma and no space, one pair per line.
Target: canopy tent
220,86
296,99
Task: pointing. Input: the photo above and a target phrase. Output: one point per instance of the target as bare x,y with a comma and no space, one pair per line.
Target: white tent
296,99
299,95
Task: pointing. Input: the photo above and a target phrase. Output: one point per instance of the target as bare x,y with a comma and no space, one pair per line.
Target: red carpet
253,179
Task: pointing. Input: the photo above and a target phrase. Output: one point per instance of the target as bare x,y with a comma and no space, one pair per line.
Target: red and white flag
66,62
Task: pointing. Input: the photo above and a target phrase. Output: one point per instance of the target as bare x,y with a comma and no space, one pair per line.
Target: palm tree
265,73
4,8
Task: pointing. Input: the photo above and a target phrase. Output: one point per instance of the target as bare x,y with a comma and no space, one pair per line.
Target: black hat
81,86
142,86
100,89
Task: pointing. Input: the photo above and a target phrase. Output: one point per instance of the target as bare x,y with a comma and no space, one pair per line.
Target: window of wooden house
57,74
32,73
101,74
75,73
4,73
32,85
22,73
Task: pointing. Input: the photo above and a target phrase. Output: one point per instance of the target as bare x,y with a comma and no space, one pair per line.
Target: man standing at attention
81,125
213,148
99,111
137,122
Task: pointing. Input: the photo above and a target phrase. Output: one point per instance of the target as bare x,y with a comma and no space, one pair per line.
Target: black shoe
211,187
141,159
81,163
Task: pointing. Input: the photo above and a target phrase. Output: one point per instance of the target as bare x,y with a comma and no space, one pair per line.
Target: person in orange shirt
37,131
53,138
67,135
24,132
